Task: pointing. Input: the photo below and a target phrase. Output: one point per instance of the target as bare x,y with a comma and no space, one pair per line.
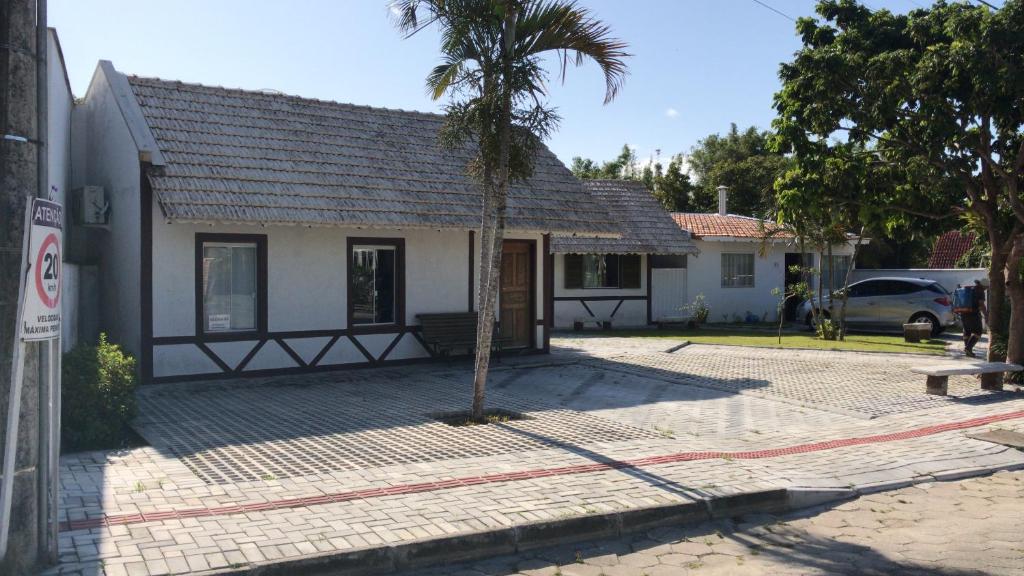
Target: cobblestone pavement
907,531
259,470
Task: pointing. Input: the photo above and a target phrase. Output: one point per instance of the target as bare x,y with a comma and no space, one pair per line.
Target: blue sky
697,65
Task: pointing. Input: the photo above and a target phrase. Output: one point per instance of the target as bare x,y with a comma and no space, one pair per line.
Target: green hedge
98,397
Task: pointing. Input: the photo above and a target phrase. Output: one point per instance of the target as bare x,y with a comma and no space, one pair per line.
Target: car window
904,287
937,288
862,289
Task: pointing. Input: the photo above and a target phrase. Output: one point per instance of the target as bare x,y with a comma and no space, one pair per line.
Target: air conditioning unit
91,206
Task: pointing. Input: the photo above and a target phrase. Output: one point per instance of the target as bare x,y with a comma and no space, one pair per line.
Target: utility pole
21,149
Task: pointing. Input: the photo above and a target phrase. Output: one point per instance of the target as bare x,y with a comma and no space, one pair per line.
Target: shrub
698,310
98,399
827,329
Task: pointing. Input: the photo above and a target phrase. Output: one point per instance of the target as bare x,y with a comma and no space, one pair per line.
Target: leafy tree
492,54
937,95
744,162
671,186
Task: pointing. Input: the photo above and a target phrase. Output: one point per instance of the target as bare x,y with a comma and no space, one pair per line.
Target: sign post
38,320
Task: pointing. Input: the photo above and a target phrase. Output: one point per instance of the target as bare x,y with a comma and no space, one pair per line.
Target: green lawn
754,337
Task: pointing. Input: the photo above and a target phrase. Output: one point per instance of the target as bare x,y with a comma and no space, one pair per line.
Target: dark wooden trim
145,273
649,271
248,357
322,368
399,244
391,346
423,343
616,309
212,356
260,240
246,336
589,311
597,298
323,351
548,291
295,355
362,349
471,305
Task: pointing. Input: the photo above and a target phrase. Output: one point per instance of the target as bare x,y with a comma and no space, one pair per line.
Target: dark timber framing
260,240
399,324
650,269
548,291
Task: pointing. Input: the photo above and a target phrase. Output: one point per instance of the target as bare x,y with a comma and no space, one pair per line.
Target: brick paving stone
623,400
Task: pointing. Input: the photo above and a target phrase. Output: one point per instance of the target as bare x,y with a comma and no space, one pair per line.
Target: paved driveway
263,470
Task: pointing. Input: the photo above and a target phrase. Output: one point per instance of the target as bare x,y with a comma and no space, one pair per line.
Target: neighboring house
949,248
743,260
634,280
255,233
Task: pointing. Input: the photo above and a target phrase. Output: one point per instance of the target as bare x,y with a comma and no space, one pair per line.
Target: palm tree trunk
485,333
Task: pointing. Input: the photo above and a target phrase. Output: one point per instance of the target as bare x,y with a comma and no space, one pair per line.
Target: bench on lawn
450,331
605,322
991,374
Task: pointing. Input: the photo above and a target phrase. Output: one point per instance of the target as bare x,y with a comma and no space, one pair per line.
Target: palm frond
574,35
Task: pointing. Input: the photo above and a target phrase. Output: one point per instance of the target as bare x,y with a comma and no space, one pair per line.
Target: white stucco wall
631,313
705,277
307,290
948,278
106,155
58,152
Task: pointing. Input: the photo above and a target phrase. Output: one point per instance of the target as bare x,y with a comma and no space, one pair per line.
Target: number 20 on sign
41,315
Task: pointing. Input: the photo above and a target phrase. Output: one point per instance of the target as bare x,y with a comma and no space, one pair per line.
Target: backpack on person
963,300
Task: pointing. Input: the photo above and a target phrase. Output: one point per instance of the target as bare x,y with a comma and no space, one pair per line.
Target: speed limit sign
41,314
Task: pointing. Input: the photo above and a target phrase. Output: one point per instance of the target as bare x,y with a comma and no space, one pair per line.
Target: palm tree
492,64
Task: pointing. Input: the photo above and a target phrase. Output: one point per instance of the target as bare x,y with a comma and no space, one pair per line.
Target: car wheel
925,317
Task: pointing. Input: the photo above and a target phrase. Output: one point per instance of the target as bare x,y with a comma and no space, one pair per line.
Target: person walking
972,318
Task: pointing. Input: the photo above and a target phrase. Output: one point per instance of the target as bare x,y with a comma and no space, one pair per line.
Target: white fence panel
668,294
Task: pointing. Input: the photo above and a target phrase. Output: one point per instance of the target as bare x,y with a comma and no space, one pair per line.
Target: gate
668,294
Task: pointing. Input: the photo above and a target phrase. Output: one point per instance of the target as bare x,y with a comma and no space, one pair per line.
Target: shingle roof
949,248
245,156
730,225
646,227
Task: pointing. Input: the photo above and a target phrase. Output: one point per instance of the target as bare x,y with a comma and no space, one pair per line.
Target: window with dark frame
375,277
737,270
597,271
231,283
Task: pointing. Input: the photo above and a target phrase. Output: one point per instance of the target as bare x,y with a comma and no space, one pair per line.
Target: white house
258,233
635,280
743,259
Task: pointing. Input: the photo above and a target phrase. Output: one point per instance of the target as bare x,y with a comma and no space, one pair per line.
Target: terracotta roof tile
949,248
731,225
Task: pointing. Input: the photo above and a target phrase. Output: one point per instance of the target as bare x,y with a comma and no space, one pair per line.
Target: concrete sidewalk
291,474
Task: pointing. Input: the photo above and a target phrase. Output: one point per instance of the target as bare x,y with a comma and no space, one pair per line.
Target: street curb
423,553
501,541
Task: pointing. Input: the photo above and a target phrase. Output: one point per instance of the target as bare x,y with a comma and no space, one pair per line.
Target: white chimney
723,200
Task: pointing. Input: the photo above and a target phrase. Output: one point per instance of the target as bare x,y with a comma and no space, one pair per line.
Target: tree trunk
485,333
996,298
846,286
1015,289
831,284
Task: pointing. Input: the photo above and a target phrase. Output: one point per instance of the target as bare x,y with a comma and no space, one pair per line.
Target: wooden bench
605,322
453,331
991,374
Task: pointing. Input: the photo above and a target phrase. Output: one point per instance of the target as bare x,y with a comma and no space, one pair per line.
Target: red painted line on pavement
401,489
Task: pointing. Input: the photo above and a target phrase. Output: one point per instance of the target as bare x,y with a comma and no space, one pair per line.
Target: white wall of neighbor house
58,150
704,276
632,312
105,154
949,278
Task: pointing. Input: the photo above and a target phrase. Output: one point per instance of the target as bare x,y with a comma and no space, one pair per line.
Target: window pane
373,285
737,270
611,266
667,261
594,271
229,287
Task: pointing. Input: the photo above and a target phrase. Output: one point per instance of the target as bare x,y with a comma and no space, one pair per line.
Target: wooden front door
515,311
